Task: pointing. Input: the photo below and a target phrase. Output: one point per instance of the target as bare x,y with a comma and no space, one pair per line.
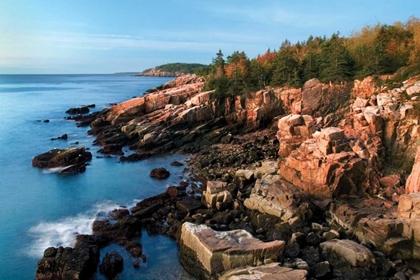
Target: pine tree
286,68
337,65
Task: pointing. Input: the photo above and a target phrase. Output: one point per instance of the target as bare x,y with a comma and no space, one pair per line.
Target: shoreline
239,166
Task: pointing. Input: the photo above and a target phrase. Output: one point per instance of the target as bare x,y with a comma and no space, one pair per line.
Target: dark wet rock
224,217
50,252
114,149
148,211
292,250
400,276
311,255
62,137
78,110
313,239
135,157
111,265
189,204
46,121
79,262
134,248
173,191
299,238
176,163
72,160
321,270
99,122
119,213
159,173
161,198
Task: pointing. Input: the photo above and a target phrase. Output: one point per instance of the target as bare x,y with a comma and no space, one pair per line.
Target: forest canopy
185,68
372,51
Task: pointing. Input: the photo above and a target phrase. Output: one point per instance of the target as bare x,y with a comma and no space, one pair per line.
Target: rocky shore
308,183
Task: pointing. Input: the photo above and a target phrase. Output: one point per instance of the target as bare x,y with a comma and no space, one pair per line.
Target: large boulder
281,199
349,258
206,253
71,160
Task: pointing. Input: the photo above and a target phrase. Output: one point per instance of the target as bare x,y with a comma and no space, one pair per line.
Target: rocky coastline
308,183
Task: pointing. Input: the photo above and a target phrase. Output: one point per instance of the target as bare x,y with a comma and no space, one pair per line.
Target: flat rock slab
217,251
271,271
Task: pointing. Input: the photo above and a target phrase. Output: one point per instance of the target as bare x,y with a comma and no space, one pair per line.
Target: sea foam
64,231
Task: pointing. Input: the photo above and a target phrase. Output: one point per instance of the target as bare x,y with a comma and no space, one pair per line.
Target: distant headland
172,69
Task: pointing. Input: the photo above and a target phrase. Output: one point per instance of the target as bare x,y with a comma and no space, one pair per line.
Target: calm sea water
40,208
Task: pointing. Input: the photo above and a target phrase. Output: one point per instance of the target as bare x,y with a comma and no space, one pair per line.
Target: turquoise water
40,208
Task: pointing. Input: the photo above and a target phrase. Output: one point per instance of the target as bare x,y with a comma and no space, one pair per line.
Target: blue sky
106,36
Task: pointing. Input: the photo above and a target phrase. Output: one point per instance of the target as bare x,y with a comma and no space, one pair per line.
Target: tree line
186,68
373,50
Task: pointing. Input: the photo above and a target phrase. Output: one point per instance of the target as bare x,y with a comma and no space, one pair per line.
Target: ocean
41,208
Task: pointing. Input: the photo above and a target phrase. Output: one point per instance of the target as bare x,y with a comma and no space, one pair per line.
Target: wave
57,169
64,231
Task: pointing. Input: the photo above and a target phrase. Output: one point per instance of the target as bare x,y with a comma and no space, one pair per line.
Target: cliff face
168,114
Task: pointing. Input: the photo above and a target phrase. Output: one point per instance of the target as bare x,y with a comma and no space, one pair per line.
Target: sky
108,36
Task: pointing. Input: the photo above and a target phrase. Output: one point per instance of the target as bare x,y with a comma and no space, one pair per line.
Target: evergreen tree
311,61
336,63
286,68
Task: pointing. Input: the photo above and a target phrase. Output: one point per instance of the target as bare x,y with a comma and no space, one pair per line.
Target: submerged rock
111,265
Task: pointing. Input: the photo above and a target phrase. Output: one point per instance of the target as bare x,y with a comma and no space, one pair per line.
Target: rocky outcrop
324,166
293,130
71,160
209,253
171,94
